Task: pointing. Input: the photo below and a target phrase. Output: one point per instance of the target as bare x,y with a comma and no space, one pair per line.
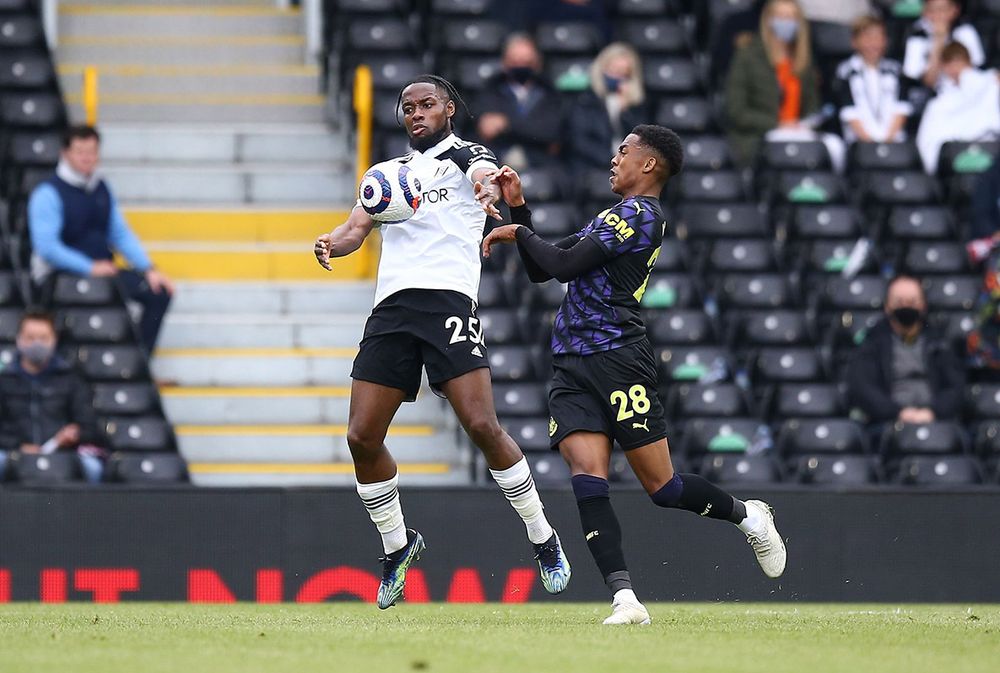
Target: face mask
37,354
613,83
907,316
784,29
520,74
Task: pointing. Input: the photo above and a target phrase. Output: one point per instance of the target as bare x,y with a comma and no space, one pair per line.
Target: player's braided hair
441,83
664,142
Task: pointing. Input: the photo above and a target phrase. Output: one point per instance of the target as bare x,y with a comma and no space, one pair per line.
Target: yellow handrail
363,107
90,101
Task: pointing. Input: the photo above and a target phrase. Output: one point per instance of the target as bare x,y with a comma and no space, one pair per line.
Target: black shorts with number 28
613,393
415,329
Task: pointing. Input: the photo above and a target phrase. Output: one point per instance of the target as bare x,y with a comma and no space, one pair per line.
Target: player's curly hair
443,85
664,142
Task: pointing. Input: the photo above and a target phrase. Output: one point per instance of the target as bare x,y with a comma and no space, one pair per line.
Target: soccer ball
390,192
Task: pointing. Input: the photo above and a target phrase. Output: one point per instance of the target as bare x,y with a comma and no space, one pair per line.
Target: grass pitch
333,637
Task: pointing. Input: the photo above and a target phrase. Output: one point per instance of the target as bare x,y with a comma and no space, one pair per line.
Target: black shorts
413,329
613,393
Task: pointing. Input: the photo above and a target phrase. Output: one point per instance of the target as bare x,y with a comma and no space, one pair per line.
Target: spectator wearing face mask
609,110
904,371
773,88
44,405
520,115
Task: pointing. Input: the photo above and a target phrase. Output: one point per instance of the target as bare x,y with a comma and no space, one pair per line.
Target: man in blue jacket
76,227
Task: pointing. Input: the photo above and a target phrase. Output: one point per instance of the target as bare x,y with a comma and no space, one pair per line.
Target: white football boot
626,609
767,544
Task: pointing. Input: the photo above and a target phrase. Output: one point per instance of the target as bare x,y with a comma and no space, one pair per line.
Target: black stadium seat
679,327
807,400
930,257
71,290
87,325
477,36
460,7
520,399
858,293
821,435
644,7
900,187
706,153
984,400
653,35
788,365
800,155
34,149
25,70
907,222
883,156
737,255
824,222
713,400
511,363
952,293
715,220
710,435
761,291
808,187
670,75
730,468
567,38
39,110
138,433
689,114
771,328
936,437
531,434
719,186
940,471
500,326
33,469
147,468
124,398
374,34
19,31
112,362
836,470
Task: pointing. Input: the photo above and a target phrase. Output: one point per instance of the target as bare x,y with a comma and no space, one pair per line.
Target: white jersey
439,247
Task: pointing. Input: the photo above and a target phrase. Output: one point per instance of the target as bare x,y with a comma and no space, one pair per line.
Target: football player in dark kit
605,375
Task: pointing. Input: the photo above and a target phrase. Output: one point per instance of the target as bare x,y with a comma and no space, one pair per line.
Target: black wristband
520,214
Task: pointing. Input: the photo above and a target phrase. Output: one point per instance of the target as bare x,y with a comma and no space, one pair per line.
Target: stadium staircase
216,143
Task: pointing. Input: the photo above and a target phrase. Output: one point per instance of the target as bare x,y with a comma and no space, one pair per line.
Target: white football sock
381,499
754,521
624,596
519,487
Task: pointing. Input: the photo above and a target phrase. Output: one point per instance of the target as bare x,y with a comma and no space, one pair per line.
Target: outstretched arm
345,239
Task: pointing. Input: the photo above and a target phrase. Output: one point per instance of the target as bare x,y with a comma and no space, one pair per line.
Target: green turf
333,637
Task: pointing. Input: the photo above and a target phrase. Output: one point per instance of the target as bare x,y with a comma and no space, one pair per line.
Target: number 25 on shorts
636,398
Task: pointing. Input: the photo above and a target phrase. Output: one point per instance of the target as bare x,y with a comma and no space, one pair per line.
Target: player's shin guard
381,499
601,529
691,492
518,486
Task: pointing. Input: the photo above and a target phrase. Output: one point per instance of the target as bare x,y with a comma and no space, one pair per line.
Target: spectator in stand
773,88
844,12
734,33
904,371
614,105
967,106
868,89
76,226
44,405
926,40
520,113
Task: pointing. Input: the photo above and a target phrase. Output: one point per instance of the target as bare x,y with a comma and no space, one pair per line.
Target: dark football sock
601,529
691,492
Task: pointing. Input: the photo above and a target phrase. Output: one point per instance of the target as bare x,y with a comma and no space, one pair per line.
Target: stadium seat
375,34
936,437
567,38
500,326
385,112
491,290
104,325
674,255
736,255
8,353
899,188
10,290
706,153
788,365
858,293
33,469
391,71
796,156
34,149
955,326
138,433
832,221
531,434
71,290
933,223
511,363
807,400
718,186
931,257
470,73
832,41
539,184
827,470
670,290
549,294
763,291
821,435
355,7
808,187
473,36
724,435
124,398
25,70
709,221
964,157
685,115
694,363
952,293
651,35
939,471
9,319
770,328
643,7
460,7
670,75
394,145
680,327
987,440
549,469
831,256
161,467
721,9
520,399
712,400
35,110
865,157
556,220
112,363
984,400
740,469
20,31
574,70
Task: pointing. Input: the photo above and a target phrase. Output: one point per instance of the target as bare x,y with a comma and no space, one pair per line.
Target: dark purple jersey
601,309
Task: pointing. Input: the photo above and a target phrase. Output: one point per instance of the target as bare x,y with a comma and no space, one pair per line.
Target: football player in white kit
425,317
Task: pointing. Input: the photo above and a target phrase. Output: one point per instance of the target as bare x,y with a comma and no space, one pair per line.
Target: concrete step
300,184
195,330
284,406
224,82
255,367
257,262
326,475
259,143
172,3
234,109
325,300
180,50
232,224
179,20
